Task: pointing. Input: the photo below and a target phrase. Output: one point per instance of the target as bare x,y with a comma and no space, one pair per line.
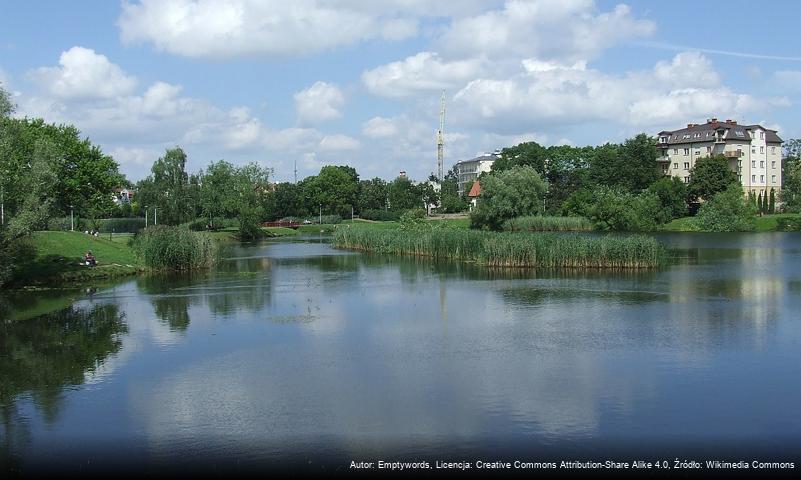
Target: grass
539,223
765,223
541,250
59,254
174,248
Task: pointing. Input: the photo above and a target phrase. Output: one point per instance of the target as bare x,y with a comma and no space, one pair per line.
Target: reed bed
540,250
174,248
538,223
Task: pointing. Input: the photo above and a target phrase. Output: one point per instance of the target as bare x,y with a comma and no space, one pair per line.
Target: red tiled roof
475,190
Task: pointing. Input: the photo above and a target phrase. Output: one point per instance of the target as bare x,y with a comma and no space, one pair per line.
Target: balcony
733,154
663,158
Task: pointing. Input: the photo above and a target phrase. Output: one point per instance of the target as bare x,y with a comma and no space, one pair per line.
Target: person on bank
90,259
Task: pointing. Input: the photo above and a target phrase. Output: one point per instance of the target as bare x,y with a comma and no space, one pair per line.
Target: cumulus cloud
319,103
84,74
565,30
337,142
230,28
379,127
547,96
425,71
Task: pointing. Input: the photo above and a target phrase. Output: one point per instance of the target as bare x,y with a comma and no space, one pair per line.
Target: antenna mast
441,138
296,170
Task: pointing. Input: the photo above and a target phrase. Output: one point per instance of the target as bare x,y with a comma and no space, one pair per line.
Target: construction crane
441,138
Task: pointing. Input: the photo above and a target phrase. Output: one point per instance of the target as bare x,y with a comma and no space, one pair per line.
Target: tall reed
538,223
546,250
174,248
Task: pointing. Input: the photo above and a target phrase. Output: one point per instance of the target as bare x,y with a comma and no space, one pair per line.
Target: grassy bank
765,223
540,250
59,254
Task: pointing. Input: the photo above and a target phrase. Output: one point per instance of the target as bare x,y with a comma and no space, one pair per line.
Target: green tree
671,193
727,211
335,188
631,166
249,192
167,188
618,210
403,195
450,200
772,204
287,201
510,193
7,107
566,170
710,176
790,194
372,194
528,153
217,190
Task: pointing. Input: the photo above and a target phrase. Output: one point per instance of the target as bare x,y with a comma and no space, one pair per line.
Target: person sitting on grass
90,259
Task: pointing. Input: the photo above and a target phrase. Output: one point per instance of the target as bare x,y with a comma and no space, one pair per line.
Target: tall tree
508,194
167,188
631,166
529,154
709,176
217,187
335,189
403,195
372,194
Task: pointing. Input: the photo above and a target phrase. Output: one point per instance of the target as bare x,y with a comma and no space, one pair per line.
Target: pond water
294,353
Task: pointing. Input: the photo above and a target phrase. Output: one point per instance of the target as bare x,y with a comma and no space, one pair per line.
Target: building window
773,178
761,135
686,179
740,163
686,165
753,163
761,149
773,164
740,178
686,151
772,149
676,166
762,164
753,150
698,152
753,178
675,151
708,149
761,179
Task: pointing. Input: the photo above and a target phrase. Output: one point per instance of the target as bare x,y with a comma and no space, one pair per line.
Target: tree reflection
43,355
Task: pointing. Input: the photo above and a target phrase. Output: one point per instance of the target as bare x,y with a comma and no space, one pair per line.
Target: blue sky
353,82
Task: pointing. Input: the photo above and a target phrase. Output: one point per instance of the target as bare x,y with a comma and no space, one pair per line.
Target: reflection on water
292,347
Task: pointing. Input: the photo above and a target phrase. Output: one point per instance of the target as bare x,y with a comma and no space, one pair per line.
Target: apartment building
467,171
754,152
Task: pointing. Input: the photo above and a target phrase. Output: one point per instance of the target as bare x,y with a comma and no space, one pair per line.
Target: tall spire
441,138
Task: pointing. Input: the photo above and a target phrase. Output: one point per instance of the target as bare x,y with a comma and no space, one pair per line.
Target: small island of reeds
509,249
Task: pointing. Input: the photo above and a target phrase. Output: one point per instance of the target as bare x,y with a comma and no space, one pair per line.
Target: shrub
728,211
788,224
174,248
616,210
671,193
62,224
547,224
381,215
330,219
414,218
121,225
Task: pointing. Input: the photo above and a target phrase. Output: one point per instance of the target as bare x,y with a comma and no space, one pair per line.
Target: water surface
291,352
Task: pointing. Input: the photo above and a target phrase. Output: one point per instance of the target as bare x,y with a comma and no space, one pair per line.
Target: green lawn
59,254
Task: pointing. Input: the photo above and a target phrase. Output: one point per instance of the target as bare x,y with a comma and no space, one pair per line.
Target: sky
319,82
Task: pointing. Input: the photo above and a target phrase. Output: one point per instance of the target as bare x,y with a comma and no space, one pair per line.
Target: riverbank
765,223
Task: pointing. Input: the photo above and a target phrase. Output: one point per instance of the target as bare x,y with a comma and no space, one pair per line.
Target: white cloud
549,96
567,30
229,28
319,103
338,142
425,71
379,127
84,74
788,80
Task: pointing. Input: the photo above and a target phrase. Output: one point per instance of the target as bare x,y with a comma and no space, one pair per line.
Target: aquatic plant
539,223
174,248
546,250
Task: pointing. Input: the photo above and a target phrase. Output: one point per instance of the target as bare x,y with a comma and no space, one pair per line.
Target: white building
467,171
754,152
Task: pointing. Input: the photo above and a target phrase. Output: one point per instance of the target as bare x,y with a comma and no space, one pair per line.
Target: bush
381,215
62,224
547,224
616,210
174,248
728,211
414,218
121,225
330,219
784,224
